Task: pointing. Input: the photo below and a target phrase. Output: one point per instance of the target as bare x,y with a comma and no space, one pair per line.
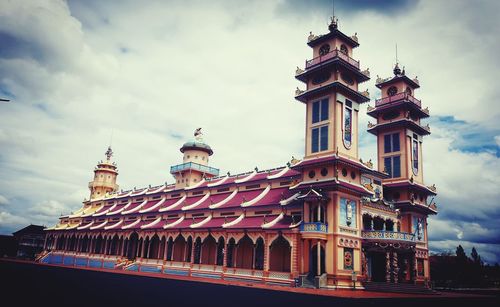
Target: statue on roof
109,153
198,135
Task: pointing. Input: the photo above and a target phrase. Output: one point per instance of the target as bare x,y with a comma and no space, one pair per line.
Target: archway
98,245
189,249
170,247
132,245
113,245
367,222
208,250
180,249
259,254
230,253
197,250
220,251
154,247
244,253
280,254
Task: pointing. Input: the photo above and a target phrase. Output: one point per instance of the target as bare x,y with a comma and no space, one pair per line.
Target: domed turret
195,162
105,174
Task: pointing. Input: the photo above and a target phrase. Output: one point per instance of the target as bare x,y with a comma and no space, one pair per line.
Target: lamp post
354,278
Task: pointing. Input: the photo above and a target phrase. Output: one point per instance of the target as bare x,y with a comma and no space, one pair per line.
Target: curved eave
396,105
396,79
335,33
208,150
406,205
335,61
355,95
408,184
400,123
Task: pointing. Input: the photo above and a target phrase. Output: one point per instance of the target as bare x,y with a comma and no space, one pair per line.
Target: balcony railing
314,227
388,235
330,55
397,97
194,166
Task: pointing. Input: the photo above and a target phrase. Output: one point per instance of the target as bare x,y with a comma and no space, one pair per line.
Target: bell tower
331,97
400,135
105,174
195,163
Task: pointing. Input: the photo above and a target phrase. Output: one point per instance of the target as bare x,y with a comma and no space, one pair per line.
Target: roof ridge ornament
198,135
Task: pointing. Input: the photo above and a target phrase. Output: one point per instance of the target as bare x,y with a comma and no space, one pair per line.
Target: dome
194,145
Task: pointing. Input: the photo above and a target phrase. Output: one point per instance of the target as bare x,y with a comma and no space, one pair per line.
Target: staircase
398,288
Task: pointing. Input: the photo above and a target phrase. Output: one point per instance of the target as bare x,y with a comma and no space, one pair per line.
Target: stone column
387,267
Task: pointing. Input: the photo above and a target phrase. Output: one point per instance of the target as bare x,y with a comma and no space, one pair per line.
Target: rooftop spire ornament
109,153
198,135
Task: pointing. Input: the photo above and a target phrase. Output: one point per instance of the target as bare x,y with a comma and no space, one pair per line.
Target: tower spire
334,22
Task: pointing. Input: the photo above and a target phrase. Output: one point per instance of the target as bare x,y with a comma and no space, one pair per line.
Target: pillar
387,267
395,268
266,252
318,267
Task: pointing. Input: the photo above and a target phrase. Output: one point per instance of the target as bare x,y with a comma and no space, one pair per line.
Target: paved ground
26,283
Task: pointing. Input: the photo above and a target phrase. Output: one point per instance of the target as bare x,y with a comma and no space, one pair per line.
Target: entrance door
377,266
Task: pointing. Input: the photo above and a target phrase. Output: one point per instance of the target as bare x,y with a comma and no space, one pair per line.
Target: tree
462,257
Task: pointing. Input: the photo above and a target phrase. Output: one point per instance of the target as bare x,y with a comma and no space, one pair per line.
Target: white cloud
3,200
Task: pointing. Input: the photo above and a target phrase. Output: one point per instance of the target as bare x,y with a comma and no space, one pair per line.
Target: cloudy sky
148,73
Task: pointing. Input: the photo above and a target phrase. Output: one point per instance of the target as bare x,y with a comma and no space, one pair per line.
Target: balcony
314,230
194,166
330,55
382,235
100,183
398,97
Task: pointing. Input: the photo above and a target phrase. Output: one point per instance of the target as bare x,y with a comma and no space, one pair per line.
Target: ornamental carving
298,91
298,71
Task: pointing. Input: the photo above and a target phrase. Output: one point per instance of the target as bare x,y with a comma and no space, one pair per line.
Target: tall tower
105,174
331,97
400,134
195,163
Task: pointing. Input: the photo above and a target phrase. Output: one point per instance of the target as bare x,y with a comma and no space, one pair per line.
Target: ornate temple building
328,220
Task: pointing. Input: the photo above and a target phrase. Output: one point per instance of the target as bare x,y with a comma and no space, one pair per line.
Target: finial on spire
396,70
109,153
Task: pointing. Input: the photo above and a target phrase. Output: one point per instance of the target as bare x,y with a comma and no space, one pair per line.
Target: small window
283,183
324,171
226,213
198,214
266,212
408,91
175,195
353,175
198,193
223,190
343,49
392,91
312,174
324,49
344,172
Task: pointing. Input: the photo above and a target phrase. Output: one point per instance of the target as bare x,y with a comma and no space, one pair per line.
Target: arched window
343,49
324,49
179,249
208,251
189,247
